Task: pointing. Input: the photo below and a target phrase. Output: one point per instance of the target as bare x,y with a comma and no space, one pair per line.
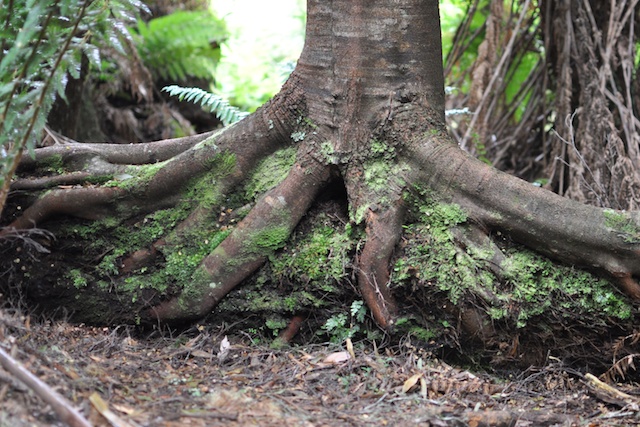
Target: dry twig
59,404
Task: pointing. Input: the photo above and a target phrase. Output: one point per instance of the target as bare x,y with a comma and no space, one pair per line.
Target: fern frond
42,43
182,44
620,369
211,102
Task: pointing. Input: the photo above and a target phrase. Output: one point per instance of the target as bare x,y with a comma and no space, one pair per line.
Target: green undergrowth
527,287
110,241
306,275
113,239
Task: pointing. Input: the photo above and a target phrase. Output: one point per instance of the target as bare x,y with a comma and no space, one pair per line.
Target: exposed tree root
74,178
629,286
72,152
565,230
248,142
145,257
88,203
383,232
264,229
292,329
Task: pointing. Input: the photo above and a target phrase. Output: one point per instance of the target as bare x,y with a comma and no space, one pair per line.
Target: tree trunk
355,141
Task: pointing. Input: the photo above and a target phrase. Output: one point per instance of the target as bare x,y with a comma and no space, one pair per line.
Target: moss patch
307,275
529,285
270,238
114,239
321,258
535,285
623,225
52,164
270,172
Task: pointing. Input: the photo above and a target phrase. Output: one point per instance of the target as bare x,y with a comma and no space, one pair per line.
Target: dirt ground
204,377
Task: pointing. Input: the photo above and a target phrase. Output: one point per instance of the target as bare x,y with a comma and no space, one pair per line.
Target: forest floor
196,379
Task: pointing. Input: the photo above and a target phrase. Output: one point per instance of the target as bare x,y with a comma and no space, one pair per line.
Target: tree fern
42,43
213,103
184,43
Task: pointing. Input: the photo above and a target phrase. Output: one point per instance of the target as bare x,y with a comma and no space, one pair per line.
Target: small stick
59,404
292,329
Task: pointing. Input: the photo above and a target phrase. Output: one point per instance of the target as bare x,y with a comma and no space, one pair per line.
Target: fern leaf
211,102
182,44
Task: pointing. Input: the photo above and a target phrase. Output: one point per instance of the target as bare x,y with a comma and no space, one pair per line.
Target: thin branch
59,404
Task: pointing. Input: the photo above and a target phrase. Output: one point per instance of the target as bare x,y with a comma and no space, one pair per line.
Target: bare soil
194,379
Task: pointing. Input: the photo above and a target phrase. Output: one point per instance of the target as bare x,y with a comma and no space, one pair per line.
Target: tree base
451,302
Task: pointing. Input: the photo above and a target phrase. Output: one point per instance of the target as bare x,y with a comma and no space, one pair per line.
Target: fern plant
42,43
182,44
211,102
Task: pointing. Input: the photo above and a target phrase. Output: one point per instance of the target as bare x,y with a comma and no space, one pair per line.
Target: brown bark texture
554,95
364,109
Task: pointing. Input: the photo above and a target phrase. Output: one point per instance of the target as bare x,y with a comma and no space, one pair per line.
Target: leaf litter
204,377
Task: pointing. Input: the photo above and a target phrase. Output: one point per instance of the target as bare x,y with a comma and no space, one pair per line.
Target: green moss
115,239
377,174
537,285
622,224
301,277
180,268
322,257
53,164
382,178
204,190
434,256
270,238
270,172
136,176
530,285
381,166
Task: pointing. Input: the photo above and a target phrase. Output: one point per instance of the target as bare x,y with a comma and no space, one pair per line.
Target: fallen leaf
102,407
339,357
201,353
124,409
408,384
